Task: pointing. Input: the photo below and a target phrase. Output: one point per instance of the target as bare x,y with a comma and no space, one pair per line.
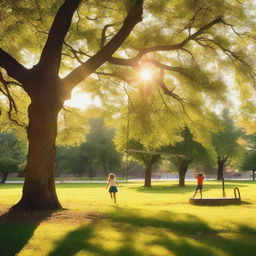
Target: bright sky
81,100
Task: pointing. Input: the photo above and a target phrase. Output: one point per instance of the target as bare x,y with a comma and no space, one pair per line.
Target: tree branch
13,68
75,53
181,44
103,34
134,61
51,54
12,104
80,73
39,11
166,91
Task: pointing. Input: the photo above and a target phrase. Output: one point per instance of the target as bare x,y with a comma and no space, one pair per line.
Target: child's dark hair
200,174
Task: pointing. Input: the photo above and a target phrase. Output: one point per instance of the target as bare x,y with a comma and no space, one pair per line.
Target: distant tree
146,159
186,153
249,160
68,160
226,143
97,153
100,141
12,154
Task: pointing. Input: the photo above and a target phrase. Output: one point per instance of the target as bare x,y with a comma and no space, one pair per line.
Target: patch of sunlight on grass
106,236
208,250
45,237
158,250
82,253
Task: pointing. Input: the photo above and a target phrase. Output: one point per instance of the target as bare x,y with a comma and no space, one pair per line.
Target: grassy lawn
146,222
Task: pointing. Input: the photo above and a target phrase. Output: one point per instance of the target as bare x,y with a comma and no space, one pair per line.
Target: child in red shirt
200,179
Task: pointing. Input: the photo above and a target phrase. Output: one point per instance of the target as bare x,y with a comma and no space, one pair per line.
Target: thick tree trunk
182,174
4,177
220,172
39,187
148,172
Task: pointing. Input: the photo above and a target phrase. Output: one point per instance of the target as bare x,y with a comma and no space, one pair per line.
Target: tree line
98,155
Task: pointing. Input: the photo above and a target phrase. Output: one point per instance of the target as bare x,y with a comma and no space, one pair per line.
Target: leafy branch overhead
50,59
177,58
192,37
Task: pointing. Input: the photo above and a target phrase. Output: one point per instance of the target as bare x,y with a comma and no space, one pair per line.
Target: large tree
187,42
48,92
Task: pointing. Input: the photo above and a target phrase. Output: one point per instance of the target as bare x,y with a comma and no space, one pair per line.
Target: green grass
147,222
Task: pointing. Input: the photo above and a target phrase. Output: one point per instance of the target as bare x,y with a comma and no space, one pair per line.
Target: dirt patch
68,216
61,216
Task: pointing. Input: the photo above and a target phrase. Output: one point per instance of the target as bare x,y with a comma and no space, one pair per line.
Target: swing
163,154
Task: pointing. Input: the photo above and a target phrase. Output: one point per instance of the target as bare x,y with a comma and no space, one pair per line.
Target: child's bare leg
110,195
201,193
114,195
195,194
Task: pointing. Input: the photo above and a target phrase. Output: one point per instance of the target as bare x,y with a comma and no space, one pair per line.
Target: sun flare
146,74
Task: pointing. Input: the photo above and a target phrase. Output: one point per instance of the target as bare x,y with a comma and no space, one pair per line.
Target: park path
104,181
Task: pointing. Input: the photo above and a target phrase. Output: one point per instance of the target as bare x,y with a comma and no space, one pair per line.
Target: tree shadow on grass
196,237
179,235
80,240
16,228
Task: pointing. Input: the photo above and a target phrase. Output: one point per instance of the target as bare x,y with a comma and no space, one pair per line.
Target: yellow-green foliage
72,127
